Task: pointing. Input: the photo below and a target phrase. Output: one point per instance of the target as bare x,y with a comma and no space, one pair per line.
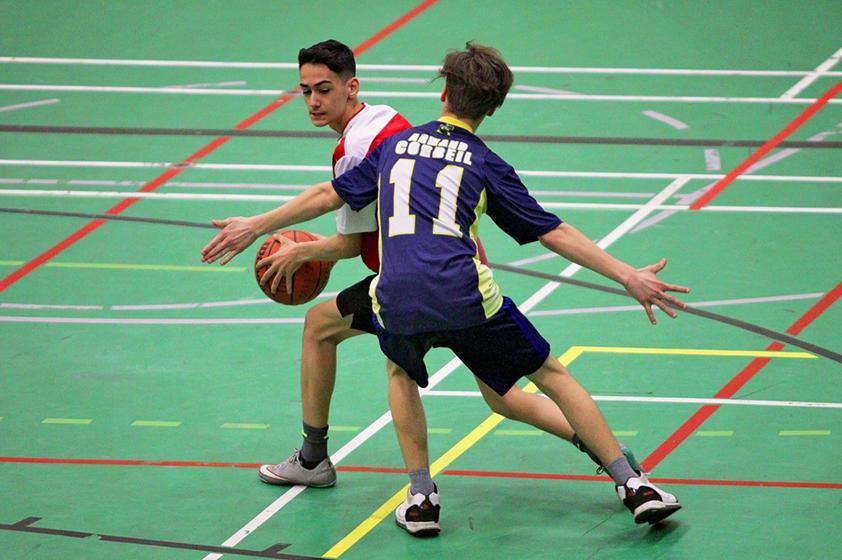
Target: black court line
274,551
608,140
750,327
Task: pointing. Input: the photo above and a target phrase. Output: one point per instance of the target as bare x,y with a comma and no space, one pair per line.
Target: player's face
326,94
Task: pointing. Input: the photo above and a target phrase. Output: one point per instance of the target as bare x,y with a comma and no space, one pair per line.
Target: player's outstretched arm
238,233
642,284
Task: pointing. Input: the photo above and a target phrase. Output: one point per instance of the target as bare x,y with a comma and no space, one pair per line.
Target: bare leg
324,329
579,409
529,408
408,417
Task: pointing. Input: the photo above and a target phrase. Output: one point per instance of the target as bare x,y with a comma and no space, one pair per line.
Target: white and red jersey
369,126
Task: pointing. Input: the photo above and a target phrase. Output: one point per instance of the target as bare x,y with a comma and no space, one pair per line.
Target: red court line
731,388
392,27
199,154
695,481
393,470
767,147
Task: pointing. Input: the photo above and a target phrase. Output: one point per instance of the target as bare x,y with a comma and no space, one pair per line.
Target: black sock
314,448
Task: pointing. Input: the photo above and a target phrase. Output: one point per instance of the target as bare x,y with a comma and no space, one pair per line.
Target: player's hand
282,264
648,290
237,234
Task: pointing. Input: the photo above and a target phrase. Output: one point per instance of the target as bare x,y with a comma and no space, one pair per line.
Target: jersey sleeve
511,206
358,186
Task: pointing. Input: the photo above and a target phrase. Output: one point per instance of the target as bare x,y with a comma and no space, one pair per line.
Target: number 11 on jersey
402,222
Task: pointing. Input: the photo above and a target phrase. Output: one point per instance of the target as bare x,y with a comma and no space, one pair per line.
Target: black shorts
354,300
499,351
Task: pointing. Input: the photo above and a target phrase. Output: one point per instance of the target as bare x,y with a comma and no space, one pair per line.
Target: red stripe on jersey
396,124
370,250
338,153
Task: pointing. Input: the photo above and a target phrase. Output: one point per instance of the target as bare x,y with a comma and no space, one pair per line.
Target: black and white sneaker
418,515
647,502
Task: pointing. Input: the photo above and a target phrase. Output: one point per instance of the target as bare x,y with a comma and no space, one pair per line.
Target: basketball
307,282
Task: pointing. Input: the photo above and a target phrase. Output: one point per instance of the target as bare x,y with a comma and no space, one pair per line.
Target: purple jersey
432,183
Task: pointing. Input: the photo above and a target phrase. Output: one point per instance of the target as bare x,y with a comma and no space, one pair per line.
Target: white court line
670,400
327,169
209,185
28,105
46,306
714,303
413,94
398,67
806,81
666,119
283,198
150,321
440,375
538,89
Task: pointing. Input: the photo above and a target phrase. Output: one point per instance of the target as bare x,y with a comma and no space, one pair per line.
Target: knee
316,325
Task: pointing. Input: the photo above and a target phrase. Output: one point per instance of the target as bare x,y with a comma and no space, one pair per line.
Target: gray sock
314,448
620,470
420,481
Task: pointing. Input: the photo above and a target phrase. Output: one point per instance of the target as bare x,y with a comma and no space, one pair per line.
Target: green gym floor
139,388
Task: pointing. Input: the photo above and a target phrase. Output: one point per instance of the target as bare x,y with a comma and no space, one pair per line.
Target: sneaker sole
419,528
269,478
656,513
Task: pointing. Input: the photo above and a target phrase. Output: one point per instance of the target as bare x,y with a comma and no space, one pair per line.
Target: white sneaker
647,502
419,513
292,472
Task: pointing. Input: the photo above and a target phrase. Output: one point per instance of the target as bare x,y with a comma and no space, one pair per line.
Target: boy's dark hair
333,54
477,79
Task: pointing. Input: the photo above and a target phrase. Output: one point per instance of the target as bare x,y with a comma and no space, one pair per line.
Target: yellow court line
438,466
693,352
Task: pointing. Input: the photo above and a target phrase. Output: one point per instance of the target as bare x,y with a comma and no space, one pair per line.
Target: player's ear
444,94
353,85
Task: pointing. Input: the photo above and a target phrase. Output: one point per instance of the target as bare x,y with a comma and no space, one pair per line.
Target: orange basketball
307,282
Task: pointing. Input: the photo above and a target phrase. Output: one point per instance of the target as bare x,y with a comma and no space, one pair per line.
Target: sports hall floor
139,388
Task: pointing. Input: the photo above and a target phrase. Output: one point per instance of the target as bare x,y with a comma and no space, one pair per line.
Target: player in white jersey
330,88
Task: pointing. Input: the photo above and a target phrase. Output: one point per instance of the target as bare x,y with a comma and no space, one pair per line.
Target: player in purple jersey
330,90
432,183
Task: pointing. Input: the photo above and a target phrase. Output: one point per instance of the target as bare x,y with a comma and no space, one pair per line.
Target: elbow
330,200
553,237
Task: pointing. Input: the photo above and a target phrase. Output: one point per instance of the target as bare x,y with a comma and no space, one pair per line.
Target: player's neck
351,109
473,124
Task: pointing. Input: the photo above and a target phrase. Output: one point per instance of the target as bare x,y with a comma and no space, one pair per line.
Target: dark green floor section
230,394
